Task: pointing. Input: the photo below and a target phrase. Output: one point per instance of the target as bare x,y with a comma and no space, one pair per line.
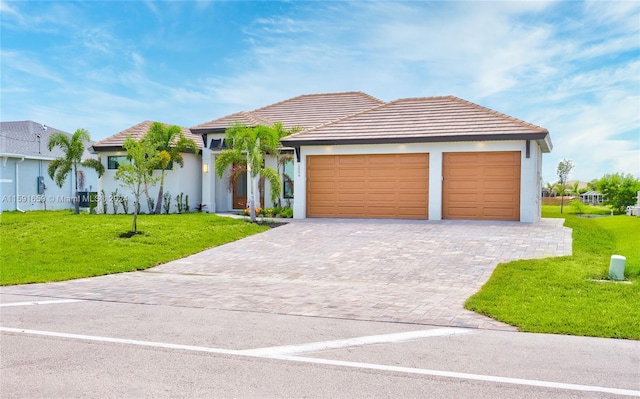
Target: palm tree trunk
76,202
134,228
252,202
160,194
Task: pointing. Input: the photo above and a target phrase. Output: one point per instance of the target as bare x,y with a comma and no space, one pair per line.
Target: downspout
18,185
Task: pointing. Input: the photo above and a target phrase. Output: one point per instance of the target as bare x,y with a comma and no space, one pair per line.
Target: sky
571,67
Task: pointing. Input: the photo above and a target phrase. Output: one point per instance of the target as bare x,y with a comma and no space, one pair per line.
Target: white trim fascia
9,155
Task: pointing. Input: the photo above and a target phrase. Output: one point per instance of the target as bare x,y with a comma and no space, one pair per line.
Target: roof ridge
258,119
342,93
421,98
338,120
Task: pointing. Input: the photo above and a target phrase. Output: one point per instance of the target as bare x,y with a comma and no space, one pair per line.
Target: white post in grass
616,267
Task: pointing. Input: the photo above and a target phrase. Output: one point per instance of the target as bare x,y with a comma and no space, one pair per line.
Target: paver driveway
400,271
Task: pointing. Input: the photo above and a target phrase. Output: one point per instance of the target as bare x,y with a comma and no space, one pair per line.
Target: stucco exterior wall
187,180
19,189
529,179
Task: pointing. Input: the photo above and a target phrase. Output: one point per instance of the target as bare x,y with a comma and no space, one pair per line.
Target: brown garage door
368,186
481,185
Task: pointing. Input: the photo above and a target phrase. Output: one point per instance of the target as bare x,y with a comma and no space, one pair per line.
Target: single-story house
356,156
185,180
24,158
592,198
421,158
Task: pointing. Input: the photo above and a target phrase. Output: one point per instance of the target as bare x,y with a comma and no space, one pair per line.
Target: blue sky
571,67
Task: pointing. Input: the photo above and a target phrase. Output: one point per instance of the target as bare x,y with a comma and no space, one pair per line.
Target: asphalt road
52,348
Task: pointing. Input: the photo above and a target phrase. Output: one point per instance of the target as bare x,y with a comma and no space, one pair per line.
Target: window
116,160
287,179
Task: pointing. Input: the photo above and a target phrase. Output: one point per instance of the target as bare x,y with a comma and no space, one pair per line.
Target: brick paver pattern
381,270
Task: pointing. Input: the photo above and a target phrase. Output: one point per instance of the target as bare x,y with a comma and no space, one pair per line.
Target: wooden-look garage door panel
483,185
372,186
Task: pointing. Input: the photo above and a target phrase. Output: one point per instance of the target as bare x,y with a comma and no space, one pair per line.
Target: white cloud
28,64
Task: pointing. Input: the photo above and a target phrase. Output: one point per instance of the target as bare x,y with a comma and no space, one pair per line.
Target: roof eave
542,138
203,131
106,148
25,156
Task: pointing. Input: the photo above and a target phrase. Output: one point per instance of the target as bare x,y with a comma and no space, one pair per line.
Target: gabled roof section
306,111
429,119
30,139
115,142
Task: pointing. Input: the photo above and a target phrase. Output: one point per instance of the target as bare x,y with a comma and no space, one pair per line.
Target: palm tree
170,142
274,147
575,188
245,148
73,149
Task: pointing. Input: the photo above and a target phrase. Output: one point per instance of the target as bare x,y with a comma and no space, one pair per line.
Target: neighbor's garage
481,185
368,186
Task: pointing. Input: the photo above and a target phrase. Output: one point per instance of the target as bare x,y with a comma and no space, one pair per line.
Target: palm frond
272,177
94,164
226,159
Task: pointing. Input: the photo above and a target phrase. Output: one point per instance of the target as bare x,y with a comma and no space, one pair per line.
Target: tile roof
137,132
307,111
426,119
30,139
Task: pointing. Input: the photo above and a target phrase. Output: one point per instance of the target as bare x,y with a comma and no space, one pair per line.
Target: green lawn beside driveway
40,246
565,295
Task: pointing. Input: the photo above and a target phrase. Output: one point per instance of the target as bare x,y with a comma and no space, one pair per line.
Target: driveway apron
380,270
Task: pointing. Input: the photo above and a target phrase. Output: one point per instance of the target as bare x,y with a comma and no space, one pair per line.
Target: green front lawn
559,295
41,246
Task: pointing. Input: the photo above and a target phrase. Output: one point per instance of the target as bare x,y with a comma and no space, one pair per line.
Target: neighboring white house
186,180
24,158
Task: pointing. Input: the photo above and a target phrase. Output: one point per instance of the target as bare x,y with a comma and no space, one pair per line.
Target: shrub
179,203
115,202
124,200
166,202
104,202
578,206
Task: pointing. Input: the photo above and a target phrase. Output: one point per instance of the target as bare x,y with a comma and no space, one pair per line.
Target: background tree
575,189
170,142
143,157
552,188
245,148
73,149
564,168
618,190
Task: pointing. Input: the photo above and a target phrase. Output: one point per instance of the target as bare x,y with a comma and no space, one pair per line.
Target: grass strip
563,295
45,246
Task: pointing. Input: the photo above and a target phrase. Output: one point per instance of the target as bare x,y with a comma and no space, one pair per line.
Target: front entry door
240,191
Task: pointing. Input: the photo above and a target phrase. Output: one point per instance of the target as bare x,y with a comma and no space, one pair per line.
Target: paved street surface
62,349
311,309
